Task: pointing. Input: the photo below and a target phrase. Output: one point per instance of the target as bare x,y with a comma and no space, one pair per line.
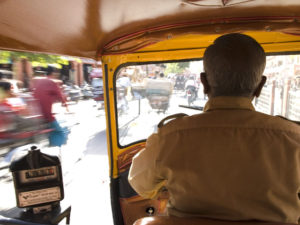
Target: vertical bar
286,90
139,106
272,98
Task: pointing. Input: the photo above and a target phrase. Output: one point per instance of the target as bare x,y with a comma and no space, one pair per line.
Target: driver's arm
144,172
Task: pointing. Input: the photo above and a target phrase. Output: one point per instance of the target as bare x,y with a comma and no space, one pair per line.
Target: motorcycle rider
191,83
191,87
123,89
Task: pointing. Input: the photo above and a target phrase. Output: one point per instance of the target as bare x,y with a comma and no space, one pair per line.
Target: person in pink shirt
47,92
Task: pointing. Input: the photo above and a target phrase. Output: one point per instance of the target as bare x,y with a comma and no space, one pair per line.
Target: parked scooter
98,92
72,92
87,91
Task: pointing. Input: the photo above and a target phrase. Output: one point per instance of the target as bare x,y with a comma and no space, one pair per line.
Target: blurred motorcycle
191,93
21,122
191,89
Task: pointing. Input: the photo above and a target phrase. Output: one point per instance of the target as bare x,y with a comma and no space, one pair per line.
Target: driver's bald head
234,65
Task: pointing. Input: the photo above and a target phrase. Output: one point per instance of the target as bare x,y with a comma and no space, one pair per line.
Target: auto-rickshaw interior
143,97
149,51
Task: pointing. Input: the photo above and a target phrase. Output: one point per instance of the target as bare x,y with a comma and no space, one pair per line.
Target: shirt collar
226,102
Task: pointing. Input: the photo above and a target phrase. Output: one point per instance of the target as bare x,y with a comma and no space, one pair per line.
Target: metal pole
139,106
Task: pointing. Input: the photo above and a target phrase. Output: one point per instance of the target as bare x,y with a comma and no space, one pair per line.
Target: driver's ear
260,86
206,87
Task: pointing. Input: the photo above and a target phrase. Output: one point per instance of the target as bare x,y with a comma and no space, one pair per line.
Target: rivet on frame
268,29
217,29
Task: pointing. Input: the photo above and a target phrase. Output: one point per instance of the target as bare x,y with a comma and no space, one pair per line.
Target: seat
170,220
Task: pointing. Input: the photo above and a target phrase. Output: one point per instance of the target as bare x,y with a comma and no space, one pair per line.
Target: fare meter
38,181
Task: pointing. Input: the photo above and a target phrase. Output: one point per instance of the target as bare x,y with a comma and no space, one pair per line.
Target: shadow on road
97,144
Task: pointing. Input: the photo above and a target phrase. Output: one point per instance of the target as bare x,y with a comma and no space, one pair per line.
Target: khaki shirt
230,163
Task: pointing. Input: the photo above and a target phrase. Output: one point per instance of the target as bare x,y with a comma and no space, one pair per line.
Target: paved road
84,157
84,163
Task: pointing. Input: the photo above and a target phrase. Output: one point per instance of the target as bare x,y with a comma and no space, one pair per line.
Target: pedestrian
47,92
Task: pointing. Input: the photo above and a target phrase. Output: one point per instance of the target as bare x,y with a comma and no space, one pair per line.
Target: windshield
148,93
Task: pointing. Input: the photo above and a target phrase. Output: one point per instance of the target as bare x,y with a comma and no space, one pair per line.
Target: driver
229,162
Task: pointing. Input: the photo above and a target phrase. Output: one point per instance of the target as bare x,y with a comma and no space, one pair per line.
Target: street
84,163
84,158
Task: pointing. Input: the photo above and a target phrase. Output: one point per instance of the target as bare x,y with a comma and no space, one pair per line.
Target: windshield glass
148,93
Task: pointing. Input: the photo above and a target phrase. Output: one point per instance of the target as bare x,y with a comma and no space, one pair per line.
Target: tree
176,67
172,68
183,65
10,56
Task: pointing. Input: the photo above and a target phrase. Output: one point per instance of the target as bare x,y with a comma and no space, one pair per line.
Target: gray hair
234,64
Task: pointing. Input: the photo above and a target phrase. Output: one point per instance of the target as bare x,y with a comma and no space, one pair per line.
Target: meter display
42,174
38,180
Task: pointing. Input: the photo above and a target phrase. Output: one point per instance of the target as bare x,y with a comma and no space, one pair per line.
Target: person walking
47,92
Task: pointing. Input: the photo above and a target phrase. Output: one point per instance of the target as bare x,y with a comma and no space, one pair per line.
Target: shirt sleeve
144,175
56,91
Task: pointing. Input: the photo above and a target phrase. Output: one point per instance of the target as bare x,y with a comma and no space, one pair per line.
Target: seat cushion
166,220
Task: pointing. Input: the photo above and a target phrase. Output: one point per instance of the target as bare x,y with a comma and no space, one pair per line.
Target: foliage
184,65
176,67
10,56
172,68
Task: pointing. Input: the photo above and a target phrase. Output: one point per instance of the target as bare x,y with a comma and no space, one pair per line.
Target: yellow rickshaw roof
91,28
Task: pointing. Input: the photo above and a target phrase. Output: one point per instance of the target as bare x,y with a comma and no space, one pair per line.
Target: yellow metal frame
181,48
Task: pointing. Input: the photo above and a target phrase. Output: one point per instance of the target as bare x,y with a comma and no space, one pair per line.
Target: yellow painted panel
202,41
185,47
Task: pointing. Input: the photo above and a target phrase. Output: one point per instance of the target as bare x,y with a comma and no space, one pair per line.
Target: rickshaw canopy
129,34
92,28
